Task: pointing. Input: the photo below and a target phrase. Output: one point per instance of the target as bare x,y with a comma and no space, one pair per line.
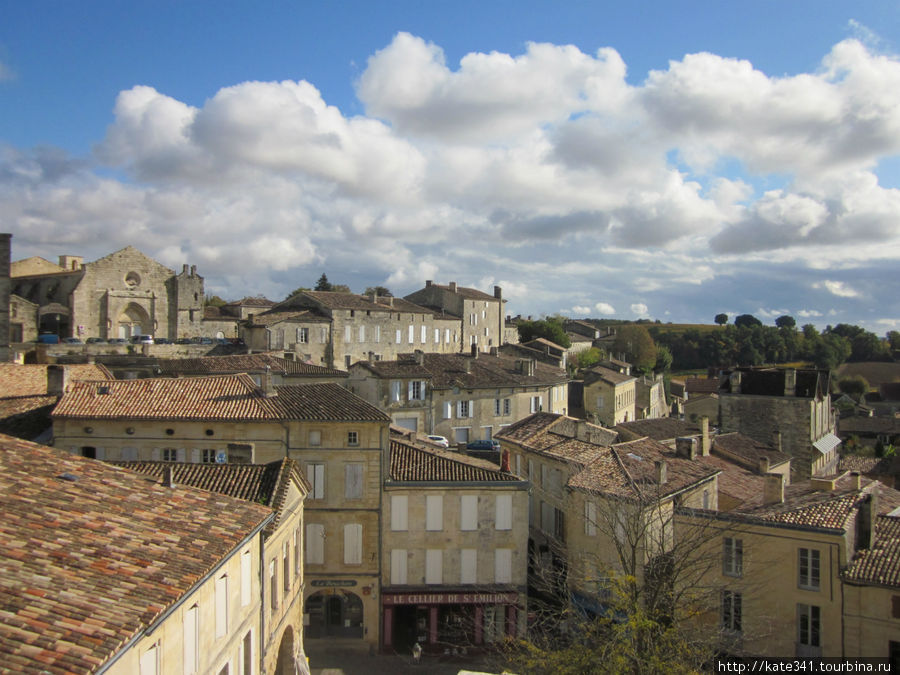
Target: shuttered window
352,544
434,566
315,544
246,578
221,606
399,506
503,565
468,566
398,566
468,517
353,481
434,512
315,474
504,512
191,640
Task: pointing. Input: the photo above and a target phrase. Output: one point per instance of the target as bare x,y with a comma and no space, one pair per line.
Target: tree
298,290
721,319
380,291
340,288
663,359
785,321
550,328
635,343
589,357
322,284
213,301
855,385
747,320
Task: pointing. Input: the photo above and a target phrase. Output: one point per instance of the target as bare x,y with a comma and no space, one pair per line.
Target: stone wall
5,242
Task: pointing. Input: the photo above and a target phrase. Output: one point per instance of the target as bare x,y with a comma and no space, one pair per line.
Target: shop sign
331,583
449,598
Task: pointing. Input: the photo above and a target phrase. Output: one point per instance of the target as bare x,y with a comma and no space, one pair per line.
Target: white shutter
154,454
130,454
315,544
353,481
409,391
195,455
352,544
434,566
448,410
395,390
468,512
191,635
423,338
471,407
398,566
180,453
412,334
315,474
399,506
101,453
149,661
504,512
468,566
434,513
503,565
519,465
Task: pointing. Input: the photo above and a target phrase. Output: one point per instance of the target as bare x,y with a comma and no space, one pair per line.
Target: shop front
448,620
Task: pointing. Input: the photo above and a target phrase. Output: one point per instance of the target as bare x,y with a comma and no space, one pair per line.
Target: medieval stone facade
123,294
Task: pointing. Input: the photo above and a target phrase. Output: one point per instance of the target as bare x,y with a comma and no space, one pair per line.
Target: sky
660,160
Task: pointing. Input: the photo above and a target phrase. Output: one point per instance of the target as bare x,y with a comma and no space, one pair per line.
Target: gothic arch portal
134,320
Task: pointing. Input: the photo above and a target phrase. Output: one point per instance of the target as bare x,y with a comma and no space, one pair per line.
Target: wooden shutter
434,564
468,517
399,509
352,544
434,512
504,512
398,566
503,565
468,566
315,544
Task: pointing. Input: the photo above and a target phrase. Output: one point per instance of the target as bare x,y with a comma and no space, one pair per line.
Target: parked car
95,341
439,440
142,339
72,341
48,338
183,341
117,341
201,341
162,341
491,445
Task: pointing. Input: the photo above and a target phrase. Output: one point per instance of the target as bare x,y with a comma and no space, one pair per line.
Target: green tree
855,385
635,343
323,284
721,319
663,359
550,328
589,357
340,288
213,301
747,320
380,291
785,321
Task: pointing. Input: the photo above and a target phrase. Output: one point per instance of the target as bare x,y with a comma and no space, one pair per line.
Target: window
733,557
285,567
303,335
468,512
590,519
809,569
468,566
463,408
353,544
273,585
247,654
437,336
731,611
398,338
297,549
497,407
377,333
447,335
895,607
191,640
353,481
412,334
809,626
149,663
170,455
352,438
221,606
503,565
315,544
347,335
434,513
448,410
434,564
417,390
315,474
504,512
323,335
398,566
395,390
423,335
362,333
315,438
537,404
208,456
399,511
246,578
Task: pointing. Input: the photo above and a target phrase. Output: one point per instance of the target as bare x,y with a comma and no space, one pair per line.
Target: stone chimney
468,367
773,489
428,283
420,357
70,263
790,382
735,379
776,441
763,465
686,447
168,478
193,270
857,479
498,292
184,269
504,461
268,387
867,519
529,367
705,442
57,380
661,471
453,287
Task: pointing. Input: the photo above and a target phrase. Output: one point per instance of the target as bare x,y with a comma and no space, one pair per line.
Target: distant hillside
875,372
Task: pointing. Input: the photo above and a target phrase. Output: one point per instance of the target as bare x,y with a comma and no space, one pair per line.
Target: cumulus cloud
579,310
544,170
809,313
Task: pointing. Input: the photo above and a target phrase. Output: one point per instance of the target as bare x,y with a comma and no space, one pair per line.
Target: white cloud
639,309
808,313
605,308
838,288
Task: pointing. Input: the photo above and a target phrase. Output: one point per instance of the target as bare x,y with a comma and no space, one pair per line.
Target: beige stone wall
213,653
869,623
23,319
618,402
5,289
769,584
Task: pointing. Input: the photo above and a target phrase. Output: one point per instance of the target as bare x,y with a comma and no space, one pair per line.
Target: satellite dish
221,457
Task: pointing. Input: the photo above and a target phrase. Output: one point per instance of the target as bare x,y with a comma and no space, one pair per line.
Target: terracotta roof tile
879,564
272,317
225,397
469,293
92,554
31,380
660,429
244,363
701,385
337,300
607,375
747,451
412,464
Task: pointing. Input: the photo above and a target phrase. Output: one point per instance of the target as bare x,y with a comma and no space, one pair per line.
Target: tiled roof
660,429
879,564
265,484
92,554
412,464
226,397
869,425
450,370
251,302
468,293
337,300
743,486
747,451
544,431
31,380
244,363
858,463
701,385
273,317
771,382
606,375
544,342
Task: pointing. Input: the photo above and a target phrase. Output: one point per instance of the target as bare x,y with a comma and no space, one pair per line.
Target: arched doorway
285,664
134,320
334,614
54,318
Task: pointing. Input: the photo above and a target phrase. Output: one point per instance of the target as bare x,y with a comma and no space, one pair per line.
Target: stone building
281,486
5,291
609,396
454,570
107,570
462,397
337,438
123,294
481,316
282,371
789,408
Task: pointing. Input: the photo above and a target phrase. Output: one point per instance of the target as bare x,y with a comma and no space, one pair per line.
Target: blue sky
662,160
